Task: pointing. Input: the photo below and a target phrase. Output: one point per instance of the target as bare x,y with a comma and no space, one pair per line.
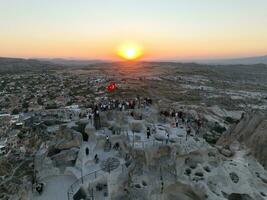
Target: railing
173,172
143,144
148,143
89,178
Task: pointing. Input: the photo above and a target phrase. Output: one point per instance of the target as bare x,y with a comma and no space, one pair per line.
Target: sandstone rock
66,156
207,169
160,137
144,183
211,138
237,196
164,151
90,131
226,152
181,191
234,177
136,127
251,130
264,180
200,174
187,171
110,164
76,142
263,194
46,168
137,186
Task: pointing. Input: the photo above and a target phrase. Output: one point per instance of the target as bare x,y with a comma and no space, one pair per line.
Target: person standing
188,132
97,119
90,118
176,122
198,126
168,138
87,151
154,131
148,132
96,158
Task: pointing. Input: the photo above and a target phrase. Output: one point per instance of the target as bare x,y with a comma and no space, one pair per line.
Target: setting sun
130,51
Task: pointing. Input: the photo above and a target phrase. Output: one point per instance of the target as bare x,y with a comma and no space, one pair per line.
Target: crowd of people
93,113
182,118
106,104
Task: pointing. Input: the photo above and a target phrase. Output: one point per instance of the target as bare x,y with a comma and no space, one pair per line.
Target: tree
40,101
25,104
15,111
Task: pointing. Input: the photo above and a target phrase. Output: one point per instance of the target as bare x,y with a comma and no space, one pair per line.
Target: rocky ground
225,159
154,168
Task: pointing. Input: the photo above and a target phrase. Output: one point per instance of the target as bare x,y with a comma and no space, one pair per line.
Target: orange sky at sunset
95,30
87,49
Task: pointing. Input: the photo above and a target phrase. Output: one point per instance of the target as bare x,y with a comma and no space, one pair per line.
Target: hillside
236,61
15,65
71,62
250,131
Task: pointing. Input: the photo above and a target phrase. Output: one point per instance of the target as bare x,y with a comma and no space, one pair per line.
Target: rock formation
252,132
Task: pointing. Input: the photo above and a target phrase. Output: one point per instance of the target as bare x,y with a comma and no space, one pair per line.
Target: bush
25,105
20,135
136,127
230,120
40,101
219,129
15,111
51,105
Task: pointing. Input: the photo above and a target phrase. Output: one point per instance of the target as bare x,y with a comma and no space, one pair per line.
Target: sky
165,29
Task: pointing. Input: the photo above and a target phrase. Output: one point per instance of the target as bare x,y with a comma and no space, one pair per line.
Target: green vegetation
230,120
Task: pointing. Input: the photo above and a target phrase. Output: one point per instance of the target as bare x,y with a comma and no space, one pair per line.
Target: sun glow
130,51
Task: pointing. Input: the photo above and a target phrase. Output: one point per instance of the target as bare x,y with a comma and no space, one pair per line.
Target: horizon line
138,60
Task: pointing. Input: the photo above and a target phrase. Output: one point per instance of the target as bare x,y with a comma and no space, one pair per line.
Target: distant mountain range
234,61
16,65
71,62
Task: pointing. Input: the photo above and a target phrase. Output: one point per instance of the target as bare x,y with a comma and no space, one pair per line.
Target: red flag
111,87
